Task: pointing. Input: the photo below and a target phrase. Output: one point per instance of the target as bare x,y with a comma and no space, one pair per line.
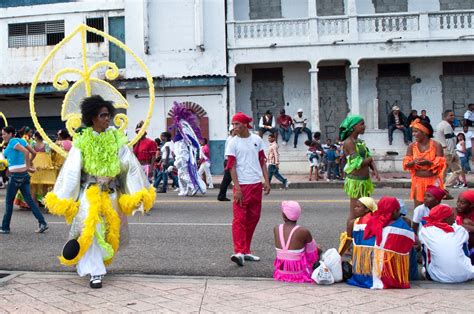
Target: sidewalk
299,181
66,292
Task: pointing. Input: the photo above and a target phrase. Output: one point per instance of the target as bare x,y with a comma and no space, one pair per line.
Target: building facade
182,43
332,57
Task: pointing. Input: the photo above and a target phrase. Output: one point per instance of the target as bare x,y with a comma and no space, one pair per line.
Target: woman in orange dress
424,160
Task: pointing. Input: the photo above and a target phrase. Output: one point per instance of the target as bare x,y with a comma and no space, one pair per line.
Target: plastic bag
322,275
332,259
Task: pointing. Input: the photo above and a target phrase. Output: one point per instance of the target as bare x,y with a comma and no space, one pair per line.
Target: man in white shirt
469,115
445,136
445,247
266,124
469,138
299,122
247,163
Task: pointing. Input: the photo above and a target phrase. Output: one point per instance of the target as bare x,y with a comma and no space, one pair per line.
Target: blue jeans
157,177
468,160
332,174
285,134
301,130
19,181
465,164
273,171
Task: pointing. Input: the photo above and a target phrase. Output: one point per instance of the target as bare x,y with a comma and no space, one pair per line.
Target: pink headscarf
437,216
437,192
291,209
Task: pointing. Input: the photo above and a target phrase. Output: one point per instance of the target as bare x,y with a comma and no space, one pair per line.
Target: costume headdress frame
69,113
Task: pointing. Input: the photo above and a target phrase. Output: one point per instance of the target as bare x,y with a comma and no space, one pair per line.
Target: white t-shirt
447,260
459,151
469,115
420,212
246,152
468,136
299,121
163,150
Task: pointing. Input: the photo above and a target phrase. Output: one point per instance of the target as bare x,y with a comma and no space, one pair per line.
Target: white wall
21,64
213,100
294,8
174,50
296,87
241,10
423,6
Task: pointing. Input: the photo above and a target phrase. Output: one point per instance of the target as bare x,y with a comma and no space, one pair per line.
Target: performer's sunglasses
104,115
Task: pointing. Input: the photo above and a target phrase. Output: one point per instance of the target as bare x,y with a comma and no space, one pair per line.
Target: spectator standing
299,122
205,167
461,152
166,159
445,136
18,154
246,161
412,117
469,115
274,162
397,121
331,157
145,150
424,117
284,126
226,179
266,124
469,138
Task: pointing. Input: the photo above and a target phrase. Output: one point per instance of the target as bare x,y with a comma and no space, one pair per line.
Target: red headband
242,118
437,192
468,195
437,216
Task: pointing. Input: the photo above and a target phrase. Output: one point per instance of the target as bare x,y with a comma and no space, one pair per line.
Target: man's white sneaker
287,184
284,143
251,258
238,259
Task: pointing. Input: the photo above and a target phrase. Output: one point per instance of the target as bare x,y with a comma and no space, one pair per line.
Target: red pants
246,216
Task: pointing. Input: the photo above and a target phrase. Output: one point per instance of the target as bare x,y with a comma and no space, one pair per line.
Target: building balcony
353,29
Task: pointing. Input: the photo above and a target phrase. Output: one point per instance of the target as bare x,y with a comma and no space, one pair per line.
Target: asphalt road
186,236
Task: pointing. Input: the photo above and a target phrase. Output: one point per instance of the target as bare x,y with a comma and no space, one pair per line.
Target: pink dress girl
293,265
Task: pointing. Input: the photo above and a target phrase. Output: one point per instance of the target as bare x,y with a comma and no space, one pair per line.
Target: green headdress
347,126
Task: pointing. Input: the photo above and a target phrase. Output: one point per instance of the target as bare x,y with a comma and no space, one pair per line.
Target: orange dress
419,184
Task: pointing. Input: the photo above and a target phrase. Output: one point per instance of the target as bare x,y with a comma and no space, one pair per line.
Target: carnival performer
101,183
44,177
446,258
381,258
186,148
247,163
424,160
18,154
357,183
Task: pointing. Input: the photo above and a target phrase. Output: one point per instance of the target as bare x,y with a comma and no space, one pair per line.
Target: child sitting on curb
296,250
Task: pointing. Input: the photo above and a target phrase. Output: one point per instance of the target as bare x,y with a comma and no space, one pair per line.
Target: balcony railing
374,27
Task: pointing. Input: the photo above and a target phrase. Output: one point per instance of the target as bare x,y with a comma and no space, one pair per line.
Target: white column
352,13
355,108
198,25
313,21
315,125
230,23
232,101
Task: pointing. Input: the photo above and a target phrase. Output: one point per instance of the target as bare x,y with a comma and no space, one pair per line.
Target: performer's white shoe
251,258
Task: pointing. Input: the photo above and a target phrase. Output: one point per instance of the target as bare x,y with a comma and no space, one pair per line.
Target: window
458,68
394,70
97,23
35,34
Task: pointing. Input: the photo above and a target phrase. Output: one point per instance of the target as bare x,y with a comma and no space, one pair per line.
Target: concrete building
182,43
331,57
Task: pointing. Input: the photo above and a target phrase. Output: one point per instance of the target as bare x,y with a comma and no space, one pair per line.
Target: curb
406,184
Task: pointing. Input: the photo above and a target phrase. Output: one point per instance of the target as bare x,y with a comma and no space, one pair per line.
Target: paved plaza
65,292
